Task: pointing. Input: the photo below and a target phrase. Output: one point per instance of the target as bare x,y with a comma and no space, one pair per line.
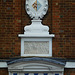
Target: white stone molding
3,65
70,65
35,66
36,36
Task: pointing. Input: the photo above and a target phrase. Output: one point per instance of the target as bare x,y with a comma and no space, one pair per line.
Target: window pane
45,73
14,73
35,73
56,74
26,74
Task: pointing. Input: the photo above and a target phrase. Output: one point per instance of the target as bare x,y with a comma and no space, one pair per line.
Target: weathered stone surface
36,47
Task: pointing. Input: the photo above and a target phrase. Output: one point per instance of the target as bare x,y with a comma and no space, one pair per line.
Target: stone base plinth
36,28
36,45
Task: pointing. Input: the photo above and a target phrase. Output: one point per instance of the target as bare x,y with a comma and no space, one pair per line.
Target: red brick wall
69,72
3,71
63,26
60,18
10,27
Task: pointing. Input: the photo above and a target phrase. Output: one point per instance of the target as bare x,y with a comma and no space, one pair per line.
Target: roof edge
36,59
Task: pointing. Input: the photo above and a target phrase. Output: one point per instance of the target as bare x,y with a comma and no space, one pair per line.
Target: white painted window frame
42,73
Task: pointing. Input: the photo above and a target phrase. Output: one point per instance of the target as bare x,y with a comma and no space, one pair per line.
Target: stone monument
36,40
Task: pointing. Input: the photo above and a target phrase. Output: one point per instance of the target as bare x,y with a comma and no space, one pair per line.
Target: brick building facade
60,18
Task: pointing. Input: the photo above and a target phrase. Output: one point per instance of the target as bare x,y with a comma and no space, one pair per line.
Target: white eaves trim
3,65
70,65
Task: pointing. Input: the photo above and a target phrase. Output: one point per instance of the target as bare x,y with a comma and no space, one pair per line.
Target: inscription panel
36,47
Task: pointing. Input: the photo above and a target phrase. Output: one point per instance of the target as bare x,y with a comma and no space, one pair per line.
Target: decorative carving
35,66
36,9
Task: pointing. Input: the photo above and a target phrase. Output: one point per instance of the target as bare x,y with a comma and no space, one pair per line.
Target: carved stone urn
36,9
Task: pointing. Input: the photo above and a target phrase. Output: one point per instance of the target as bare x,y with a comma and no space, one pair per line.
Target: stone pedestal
36,28
36,40
36,45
